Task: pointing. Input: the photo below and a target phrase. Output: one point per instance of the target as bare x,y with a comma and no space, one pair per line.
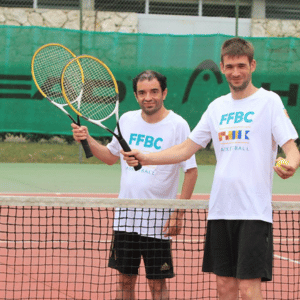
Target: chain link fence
270,9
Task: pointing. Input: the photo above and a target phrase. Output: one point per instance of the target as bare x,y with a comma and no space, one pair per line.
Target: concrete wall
132,23
70,19
159,24
275,28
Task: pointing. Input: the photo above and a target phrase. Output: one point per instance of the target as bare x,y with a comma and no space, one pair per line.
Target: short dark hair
149,75
237,47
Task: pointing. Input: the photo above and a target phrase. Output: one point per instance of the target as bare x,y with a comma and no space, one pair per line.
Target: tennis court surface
56,230
57,247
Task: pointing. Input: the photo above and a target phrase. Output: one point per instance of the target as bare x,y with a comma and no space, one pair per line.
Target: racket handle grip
126,148
84,143
86,148
138,167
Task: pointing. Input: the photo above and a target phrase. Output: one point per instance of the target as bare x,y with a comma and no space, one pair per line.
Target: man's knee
127,282
250,289
227,286
158,289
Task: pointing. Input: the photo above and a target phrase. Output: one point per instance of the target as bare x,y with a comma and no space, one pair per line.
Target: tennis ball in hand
282,162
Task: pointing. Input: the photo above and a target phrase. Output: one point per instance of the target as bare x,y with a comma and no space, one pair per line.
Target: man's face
150,96
238,71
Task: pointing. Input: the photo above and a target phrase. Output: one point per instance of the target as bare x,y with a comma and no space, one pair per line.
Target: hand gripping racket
46,68
96,97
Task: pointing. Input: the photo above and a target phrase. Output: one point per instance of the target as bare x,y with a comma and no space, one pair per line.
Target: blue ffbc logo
147,140
237,117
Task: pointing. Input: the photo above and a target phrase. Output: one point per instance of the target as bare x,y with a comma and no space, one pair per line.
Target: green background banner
190,62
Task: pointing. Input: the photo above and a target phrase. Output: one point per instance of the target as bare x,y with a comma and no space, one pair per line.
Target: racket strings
48,65
90,88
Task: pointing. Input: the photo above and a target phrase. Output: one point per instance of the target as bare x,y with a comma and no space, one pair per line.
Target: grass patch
206,157
11,152
43,152
41,148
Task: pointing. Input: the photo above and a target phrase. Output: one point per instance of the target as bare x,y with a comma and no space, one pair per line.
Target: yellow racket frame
33,59
78,61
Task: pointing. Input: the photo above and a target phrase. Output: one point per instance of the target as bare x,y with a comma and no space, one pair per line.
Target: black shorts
239,248
127,249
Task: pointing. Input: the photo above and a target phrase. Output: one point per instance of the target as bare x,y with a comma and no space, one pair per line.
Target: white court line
287,259
109,241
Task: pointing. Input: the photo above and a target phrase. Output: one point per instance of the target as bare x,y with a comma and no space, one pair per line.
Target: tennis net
58,248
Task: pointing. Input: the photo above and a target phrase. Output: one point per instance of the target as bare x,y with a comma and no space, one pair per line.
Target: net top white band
123,203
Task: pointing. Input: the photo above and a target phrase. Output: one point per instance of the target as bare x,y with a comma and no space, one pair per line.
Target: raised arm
98,150
173,155
292,156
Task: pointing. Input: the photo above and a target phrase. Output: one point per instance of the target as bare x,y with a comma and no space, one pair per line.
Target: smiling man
145,233
246,127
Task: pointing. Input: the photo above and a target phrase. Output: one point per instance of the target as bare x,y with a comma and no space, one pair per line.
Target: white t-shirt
246,134
150,182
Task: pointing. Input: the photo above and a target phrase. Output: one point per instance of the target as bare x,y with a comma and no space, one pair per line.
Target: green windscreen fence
190,62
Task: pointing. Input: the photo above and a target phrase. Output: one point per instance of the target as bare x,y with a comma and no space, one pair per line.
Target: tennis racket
96,97
46,68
